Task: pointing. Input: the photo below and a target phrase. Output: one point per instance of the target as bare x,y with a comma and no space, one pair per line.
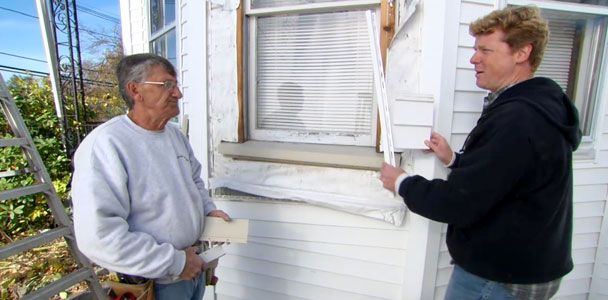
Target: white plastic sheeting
354,191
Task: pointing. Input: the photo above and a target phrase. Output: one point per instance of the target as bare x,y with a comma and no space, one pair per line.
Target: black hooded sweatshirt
508,198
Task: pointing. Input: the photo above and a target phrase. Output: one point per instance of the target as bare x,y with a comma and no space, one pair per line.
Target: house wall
192,53
295,250
590,275
134,26
300,251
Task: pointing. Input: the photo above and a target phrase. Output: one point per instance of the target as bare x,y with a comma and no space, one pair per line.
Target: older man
508,198
139,201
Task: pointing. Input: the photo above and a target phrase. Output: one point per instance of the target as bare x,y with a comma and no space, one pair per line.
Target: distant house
279,105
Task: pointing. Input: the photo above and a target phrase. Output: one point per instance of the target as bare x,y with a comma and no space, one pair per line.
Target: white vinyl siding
310,77
297,251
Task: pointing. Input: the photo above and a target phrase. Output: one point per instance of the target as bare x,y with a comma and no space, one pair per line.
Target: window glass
165,46
312,78
162,32
162,13
156,15
169,11
574,57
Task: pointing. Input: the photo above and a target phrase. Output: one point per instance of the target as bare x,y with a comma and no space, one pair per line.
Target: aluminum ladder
43,185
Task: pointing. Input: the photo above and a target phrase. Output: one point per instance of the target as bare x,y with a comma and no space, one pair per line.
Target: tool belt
131,291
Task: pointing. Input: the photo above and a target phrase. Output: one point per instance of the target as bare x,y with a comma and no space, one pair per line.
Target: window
309,70
162,34
575,55
162,29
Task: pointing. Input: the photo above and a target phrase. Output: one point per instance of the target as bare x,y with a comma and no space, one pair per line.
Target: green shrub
34,100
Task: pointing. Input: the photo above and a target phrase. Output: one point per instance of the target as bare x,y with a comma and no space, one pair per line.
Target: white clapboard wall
298,251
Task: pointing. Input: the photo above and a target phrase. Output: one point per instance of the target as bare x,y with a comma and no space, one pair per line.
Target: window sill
351,157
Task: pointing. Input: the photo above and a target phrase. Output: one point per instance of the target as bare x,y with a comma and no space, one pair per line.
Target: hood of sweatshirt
548,99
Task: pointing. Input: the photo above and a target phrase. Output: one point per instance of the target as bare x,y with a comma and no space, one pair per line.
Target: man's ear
133,91
523,53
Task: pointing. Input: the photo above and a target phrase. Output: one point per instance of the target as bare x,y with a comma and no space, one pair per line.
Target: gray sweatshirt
138,199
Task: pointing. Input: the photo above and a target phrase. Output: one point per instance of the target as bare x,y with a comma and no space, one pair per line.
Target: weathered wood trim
240,21
387,31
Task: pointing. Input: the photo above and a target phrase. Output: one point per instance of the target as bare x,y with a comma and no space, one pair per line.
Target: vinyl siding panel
298,251
599,282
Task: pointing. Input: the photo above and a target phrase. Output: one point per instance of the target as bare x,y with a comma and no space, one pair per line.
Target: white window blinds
573,59
558,54
314,78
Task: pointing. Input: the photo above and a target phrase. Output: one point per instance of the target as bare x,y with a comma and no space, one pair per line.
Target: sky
20,31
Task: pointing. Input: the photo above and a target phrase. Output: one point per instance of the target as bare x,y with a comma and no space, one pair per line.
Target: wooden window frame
387,25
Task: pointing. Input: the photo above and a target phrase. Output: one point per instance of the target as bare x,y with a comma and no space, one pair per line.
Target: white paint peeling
404,58
225,4
355,191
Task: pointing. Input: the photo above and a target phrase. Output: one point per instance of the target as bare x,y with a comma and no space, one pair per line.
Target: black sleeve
456,160
485,173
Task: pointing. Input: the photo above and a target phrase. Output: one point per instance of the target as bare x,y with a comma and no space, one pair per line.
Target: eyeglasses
167,84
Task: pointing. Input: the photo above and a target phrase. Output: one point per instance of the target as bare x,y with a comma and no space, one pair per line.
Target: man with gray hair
139,201
508,198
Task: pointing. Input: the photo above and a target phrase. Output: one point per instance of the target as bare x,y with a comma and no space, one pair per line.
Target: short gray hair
135,68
